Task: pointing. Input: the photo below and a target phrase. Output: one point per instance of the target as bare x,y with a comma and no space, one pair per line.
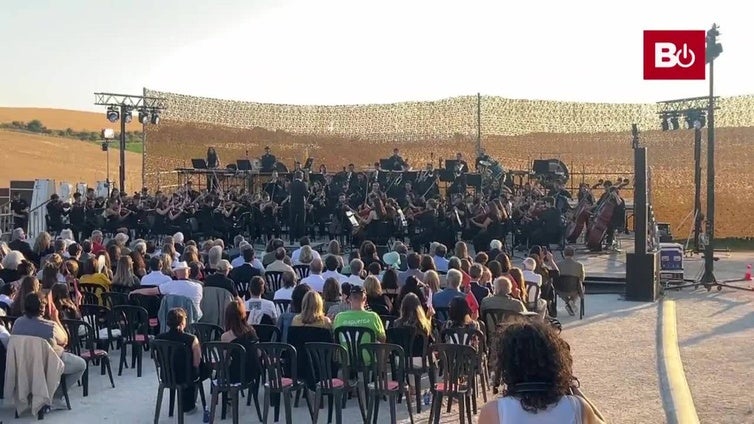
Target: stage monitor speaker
642,276
243,164
199,163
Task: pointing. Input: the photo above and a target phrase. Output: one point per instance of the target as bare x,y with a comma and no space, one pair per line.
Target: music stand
317,178
243,164
474,180
450,165
386,164
199,163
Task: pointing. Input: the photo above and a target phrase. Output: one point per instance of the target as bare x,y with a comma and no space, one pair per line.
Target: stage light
127,116
143,116
702,121
112,114
674,122
664,124
155,118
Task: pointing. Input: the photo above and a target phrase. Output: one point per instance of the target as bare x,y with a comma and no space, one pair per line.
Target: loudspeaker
642,276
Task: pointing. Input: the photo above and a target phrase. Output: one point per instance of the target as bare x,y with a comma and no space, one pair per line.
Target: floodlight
112,114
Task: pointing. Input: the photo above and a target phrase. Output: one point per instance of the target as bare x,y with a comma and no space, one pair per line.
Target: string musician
397,163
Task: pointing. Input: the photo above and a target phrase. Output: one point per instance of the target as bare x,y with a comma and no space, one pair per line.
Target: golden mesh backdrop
588,137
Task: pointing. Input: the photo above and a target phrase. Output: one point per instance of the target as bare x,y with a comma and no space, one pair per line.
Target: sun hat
180,265
392,259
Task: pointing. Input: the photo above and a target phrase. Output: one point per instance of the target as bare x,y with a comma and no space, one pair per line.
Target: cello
581,213
603,217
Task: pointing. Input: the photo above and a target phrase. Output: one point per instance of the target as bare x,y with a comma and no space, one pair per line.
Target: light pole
120,107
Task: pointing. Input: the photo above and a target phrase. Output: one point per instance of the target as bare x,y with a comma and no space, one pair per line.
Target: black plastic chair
387,320
282,305
152,305
477,340
267,333
567,285
132,322
457,362
88,298
442,314
242,287
205,332
326,359
8,321
415,346
89,289
280,364
169,358
112,299
228,361
302,271
84,346
274,280
352,338
387,364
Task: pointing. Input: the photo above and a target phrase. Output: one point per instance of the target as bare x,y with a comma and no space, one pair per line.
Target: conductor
267,161
298,195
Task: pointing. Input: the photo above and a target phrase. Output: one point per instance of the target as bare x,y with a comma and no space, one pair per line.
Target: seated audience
220,279
286,318
181,286
288,282
312,313
502,300
261,311
459,315
376,300
358,316
155,276
316,279
331,293
343,305
451,291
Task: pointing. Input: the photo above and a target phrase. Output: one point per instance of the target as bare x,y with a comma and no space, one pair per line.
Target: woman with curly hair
535,365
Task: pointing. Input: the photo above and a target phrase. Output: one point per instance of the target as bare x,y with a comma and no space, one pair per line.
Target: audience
220,279
288,282
312,313
376,300
358,316
261,311
316,279
451,291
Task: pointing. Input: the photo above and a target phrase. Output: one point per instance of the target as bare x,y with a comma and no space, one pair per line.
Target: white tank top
566,411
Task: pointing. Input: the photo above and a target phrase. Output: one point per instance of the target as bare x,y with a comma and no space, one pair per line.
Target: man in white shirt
181,286
355,279
239,260
331,264
278,265
531,278
315,280
261,311
441,263
155,277
296,253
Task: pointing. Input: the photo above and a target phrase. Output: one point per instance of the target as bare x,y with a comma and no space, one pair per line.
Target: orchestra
376,204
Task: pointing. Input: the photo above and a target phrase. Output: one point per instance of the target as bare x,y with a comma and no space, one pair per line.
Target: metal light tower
120,107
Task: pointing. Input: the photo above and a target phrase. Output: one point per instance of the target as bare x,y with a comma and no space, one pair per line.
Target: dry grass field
604,155
31,156
61,119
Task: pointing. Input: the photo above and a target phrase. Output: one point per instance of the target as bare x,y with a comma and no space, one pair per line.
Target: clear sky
58,53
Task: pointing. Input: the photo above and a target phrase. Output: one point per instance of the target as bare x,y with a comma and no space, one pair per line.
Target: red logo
674,55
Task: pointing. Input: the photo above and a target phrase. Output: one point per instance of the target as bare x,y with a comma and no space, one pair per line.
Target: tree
35,126
69,132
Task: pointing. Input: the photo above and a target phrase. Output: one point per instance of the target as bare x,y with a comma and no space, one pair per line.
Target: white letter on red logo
665,55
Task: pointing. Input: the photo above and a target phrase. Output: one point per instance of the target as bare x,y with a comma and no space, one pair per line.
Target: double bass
581,213
603,217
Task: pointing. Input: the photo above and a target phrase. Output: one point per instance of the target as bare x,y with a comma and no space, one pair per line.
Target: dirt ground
61,119
30,157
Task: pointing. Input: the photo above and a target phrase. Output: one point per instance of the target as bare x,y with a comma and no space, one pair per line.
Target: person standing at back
298,193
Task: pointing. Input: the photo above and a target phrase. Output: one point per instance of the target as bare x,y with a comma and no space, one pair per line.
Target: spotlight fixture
112,114
664,124
143,116
127,116
674,122
702,121
155,118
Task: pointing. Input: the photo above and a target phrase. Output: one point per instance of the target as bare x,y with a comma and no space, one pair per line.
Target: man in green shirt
358,316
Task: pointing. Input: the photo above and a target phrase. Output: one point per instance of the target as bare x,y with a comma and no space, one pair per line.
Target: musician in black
397,163
20,209
55,214
548,228
213,161
297,202
461,166
77,216
617,221
482,157
561,196
267,161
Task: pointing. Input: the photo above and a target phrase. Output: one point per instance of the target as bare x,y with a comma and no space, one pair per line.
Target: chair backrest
205,332
387,320
150,303
298,337
228,363
282,304
442,314
457,362
352,338
280,361
91,288
267,333
326,359
567,284
172,361
79,339
532,295
274,280
242,287
465,336
133,321
302,271
111,299
387,363
88,298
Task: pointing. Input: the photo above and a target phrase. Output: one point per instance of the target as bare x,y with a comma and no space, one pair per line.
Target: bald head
503,286
316,266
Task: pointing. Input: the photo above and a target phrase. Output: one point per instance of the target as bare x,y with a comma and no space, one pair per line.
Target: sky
58,53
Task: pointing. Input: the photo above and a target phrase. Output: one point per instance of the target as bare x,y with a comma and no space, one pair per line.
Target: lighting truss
130,101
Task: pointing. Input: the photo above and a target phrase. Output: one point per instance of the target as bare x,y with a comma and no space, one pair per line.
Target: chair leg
393,411
213,404
172,402
267,405
473,393
317,403
254,392
436,408
85,380
106,362
138,360
160,391
418,387
408,406
65,393
123,348
338,411
468,410
180,408
201,394
234,405
371,399
287,400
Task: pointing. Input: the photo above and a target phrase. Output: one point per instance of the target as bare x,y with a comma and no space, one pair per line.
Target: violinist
20,209
427,220
397,163
461,166
270,223
489,223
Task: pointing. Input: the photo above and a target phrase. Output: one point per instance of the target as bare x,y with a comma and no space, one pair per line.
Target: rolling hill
61,119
